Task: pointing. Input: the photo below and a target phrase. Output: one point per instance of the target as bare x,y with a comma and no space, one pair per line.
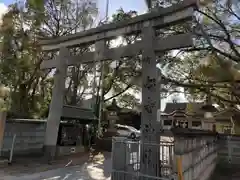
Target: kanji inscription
149,106
150,83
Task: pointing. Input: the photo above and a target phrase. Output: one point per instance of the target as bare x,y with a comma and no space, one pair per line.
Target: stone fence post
3,115
119,157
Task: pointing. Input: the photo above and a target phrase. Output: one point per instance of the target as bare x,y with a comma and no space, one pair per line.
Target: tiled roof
171,107
187,108
194,108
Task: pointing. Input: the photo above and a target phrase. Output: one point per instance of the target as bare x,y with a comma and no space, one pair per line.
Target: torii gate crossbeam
149,45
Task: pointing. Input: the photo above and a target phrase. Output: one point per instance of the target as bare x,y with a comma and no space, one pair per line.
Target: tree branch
124,90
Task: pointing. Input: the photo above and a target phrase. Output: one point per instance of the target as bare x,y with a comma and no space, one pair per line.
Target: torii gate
150,44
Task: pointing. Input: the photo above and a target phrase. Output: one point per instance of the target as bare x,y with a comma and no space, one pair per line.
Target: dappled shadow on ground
96,168
102,166
22,165
37,163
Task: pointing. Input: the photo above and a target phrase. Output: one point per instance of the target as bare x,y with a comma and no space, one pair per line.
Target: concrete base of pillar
68,150
49,153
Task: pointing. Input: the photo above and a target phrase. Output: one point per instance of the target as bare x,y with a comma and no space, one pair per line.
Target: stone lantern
112,118
4,98
209,122
112,113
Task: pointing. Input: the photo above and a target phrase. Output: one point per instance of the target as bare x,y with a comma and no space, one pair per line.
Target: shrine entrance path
227,172
100,169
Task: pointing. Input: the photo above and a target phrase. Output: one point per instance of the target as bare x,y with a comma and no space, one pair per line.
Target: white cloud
3,10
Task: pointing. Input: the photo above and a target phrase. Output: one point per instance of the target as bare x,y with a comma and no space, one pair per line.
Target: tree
20,66
123,80
217,40
116,76
21,57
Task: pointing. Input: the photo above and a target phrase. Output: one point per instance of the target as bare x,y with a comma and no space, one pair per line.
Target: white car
127,131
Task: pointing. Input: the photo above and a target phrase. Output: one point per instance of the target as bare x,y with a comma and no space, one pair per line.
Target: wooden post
150,98
179,168
56,106
2,128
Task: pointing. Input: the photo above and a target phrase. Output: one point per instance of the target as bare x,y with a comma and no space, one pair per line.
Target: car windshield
131,128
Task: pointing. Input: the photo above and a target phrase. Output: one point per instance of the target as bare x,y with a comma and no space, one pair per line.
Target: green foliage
121,15
120,75
212,64
38,5
21,57
31,88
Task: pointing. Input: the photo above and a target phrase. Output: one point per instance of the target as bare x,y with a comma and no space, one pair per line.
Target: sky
127,5
137,5
3,8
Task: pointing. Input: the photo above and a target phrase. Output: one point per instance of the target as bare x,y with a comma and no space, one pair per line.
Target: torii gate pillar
55,110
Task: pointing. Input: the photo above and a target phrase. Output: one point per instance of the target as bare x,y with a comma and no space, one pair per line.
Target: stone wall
192,156
195,153
29,136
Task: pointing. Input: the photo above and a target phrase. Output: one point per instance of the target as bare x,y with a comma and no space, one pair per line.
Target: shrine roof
187,108
171,107
74,112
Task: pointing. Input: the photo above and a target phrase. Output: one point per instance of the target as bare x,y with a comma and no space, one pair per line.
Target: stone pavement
226,172
98,169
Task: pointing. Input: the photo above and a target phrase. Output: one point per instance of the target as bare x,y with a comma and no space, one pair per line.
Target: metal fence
126,162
